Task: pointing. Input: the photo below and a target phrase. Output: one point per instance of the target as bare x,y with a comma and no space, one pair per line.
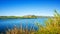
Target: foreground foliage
52,25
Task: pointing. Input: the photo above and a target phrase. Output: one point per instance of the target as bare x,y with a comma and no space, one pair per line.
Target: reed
52,25
20,30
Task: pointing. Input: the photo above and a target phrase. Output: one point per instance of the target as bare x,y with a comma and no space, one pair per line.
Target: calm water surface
4,23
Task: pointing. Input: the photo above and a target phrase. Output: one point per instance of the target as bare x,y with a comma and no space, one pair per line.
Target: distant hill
24,17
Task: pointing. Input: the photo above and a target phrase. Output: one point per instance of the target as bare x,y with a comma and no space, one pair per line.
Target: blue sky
28,7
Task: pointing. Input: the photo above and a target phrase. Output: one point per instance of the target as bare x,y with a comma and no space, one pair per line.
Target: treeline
17,17
24,17
6,17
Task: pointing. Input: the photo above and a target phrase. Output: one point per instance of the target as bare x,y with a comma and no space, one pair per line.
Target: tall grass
20,31
52,25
